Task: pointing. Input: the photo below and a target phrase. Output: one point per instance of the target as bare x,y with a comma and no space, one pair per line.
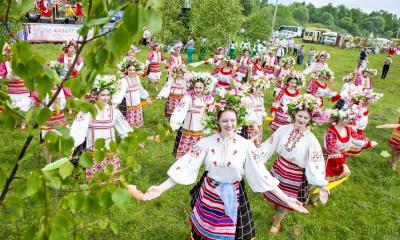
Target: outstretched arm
390,125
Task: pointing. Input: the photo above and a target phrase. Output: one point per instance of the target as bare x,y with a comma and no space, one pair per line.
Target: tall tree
258,24
173,28
327,18
219,21
300,14
247,7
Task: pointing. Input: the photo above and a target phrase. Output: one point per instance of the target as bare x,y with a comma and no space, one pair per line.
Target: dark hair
340,105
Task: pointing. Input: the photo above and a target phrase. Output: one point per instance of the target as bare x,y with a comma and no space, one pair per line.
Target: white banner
44,32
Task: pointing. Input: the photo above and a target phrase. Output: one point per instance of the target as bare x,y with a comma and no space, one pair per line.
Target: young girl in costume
188,116
216,60
287,66
319,87
153,65
130,92
86,129
174,89
244,63
290,93
318,64
220,208
300,162
364,80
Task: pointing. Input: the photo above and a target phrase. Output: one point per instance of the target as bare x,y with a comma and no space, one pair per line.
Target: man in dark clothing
363,55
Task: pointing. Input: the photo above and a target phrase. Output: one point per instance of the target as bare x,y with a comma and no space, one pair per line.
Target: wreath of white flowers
103,82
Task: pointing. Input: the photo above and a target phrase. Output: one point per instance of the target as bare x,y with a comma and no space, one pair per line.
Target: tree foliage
173,28
219,21
301,14
258,24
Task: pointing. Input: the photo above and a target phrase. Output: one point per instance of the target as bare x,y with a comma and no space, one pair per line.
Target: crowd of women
219,118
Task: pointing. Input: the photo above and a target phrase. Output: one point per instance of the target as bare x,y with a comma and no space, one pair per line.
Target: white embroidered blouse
190,111
132,90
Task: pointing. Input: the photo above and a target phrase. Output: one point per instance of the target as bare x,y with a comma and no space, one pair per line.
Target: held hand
135,193
153,192
296,205
324,195
373,144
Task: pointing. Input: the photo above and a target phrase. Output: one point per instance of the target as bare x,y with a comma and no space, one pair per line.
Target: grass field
367,206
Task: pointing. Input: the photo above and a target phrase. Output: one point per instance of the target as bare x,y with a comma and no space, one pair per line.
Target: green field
367,206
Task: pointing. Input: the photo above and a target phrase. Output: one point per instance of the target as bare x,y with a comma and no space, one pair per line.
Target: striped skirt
208,218
154,74
184,141
172,101
281,118
110,159
394,140
134,116
56,120
292,181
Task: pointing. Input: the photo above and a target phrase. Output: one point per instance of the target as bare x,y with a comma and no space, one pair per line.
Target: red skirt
110,159
172,101
134,116
184,141
281,118
334,167
292,181
394,140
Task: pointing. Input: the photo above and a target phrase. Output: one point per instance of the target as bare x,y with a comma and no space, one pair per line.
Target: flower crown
260,84
367,95
288,60
103,82
349,77
300,78
305,102
177,72
319,54
371,71
204,77
6,49
226,59
58,67
223,101
69,43
326,73
340,114
127,62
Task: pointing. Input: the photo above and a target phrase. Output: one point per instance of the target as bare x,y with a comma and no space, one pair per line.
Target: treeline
221,21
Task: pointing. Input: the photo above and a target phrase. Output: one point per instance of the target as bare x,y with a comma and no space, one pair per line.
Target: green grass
367,206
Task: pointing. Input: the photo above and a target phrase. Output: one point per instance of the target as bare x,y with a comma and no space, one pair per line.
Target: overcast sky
368,6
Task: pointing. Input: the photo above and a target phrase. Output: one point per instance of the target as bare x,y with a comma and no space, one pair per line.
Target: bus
313,35
297,31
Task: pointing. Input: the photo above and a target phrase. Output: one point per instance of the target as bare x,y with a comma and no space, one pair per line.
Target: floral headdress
58,67
177,46
260,84
300,78
6,49
127,62
103,82
177,72
366,95
134,49
306,102
371,71
326,73
229,61
204,77
69,43
222,101
288,60
349,77
319,54
154,46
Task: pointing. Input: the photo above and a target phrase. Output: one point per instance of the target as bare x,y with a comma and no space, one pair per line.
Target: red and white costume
217,62
153,61
280,75
258,72
269,66
319,90
314,68
175,61
19,94
187,118
364,82
132,90
67,61
256,115
279,108
243,64
173,90
225,78
336,147
91,129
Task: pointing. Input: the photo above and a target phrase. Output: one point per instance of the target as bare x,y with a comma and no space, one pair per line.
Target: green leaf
66,170
52,179
86,160
131,19
105,200
100,143
99,155
114,228
97,22
22,52
153,20
101,58
3,177
55,165
67,143
121,197
385,154
113,146
25,6
33,184
43,116
14,207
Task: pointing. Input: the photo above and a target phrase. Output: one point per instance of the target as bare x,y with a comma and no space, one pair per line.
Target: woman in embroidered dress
287,66
86,130
318,64
220,209
216,60
176,60
244,65
319,87
300,162
338,140
174,89
364,80
67,58
225,76
188,116
394,142
270,63
348,87
153,65
131,92
293,81
18,93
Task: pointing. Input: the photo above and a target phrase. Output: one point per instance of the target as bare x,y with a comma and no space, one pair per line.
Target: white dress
132,90
189,113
